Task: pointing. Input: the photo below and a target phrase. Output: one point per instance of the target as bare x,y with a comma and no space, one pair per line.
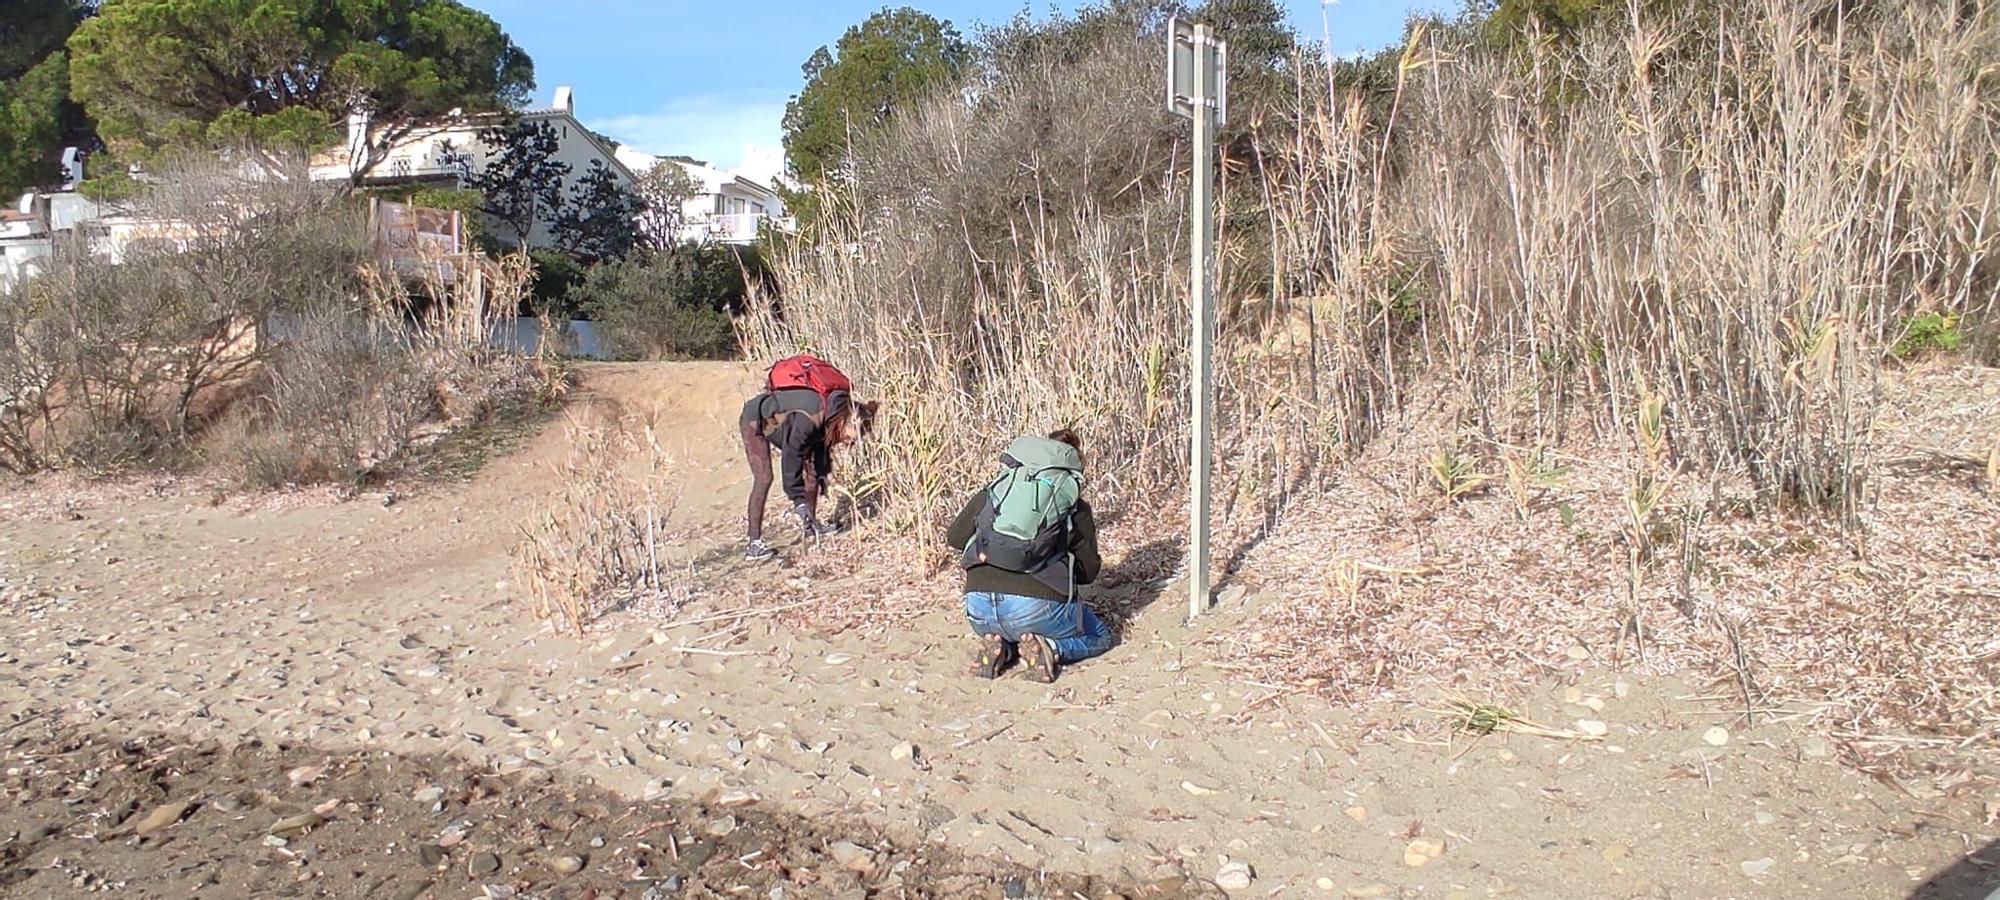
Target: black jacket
1084,560
786,419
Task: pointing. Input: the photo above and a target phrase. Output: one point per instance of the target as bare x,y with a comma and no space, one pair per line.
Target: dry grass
1590,346
1888,625
602,543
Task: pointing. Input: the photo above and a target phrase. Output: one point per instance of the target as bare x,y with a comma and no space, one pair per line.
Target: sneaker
1038,658
993,657
758,551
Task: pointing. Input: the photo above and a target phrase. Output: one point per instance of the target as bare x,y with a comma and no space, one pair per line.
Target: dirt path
360,626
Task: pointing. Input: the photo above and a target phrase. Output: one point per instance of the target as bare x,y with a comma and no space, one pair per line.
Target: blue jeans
1071,628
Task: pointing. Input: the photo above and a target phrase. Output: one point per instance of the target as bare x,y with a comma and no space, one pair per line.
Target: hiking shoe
993,657
1038,658
758,551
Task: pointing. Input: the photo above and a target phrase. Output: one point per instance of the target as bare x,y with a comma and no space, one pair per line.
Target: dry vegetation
251,331
602,543
1600,345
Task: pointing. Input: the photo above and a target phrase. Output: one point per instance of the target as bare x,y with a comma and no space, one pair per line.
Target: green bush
1929,332
667,306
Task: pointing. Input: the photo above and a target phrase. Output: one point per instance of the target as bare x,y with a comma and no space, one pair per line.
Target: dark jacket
1084,561
787,419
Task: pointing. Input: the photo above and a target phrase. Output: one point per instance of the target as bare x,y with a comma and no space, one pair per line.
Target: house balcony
732,228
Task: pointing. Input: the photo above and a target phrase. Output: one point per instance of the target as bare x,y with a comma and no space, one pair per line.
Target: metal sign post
1197,88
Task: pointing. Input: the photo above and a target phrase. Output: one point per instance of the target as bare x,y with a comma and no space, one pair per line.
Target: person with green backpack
1027,542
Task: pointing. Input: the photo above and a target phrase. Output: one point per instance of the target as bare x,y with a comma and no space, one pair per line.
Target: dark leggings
757,452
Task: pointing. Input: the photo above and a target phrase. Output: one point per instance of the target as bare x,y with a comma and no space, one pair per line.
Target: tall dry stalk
601,542
1736,208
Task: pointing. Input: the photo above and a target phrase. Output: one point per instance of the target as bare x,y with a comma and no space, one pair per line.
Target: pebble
1593,727
1357,813
1099,846
722,827
482,864
903,751
1764,818
272,840
1014,889
499,892
431,855
1324,883
162,817
1579,653
1378,889
1573,695
1757,867
733,799
1616,852
1716,736
655,790
566,865
1196,789
1421,851
852,857
1234,876
837,659
297,823
1816,747
428,795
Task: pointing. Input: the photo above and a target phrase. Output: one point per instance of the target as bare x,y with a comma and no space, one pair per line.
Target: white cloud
726,131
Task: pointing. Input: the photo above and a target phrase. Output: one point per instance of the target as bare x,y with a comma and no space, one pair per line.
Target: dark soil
85,814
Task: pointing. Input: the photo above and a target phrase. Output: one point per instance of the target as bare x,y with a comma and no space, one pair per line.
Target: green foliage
1928,333
601,221
155,73
556,278
662,192
37,117
666,306
895,57
460,200
1560,17
521,180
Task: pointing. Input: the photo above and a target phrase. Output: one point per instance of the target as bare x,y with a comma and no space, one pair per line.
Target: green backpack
1024,524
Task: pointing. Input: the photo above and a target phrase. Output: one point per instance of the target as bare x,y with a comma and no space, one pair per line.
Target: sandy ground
378,631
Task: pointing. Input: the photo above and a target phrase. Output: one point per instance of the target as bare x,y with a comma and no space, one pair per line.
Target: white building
383,154
729,208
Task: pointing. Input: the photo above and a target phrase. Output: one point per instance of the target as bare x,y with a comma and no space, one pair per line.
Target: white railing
732,228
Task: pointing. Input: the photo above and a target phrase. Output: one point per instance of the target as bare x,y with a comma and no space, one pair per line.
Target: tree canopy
155,73
893,58
36,116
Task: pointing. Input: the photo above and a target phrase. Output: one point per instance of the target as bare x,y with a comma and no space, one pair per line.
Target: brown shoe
1038,658
993,657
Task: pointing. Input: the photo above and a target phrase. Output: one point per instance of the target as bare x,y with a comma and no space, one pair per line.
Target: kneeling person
1028,542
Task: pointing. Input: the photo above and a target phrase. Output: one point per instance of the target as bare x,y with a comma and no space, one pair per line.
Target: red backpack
808,372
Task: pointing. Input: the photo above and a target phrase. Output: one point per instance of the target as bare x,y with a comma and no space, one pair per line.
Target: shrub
1929,332
1520,242
664,306
602,543
254,330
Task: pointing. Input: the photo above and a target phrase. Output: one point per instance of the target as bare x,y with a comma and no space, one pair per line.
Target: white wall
426,152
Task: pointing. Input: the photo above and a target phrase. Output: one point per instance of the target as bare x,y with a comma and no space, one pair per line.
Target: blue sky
710,79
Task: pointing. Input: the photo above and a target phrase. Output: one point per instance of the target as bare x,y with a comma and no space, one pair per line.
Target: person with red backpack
805,410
